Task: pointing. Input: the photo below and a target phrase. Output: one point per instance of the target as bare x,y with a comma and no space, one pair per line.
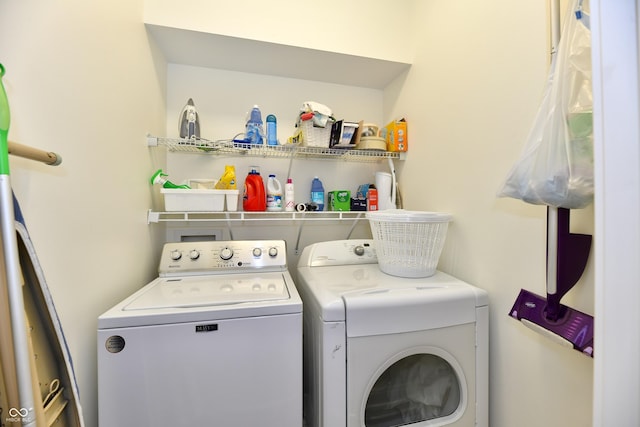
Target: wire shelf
231,148
242,216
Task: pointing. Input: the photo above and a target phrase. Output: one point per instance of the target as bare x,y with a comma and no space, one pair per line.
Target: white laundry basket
408,243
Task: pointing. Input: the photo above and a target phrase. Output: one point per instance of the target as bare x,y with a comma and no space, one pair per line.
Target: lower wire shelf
242,216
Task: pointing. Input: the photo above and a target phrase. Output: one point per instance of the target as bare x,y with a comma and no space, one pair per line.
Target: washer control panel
213,257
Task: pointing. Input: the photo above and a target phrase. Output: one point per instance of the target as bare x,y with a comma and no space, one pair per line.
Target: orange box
395,134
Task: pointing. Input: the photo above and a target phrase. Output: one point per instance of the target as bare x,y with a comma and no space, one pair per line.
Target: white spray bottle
386,185
289,196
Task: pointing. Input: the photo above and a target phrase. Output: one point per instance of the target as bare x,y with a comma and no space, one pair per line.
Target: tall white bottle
274,194
289,197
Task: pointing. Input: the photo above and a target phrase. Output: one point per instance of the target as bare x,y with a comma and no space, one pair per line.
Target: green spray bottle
159,178
4,127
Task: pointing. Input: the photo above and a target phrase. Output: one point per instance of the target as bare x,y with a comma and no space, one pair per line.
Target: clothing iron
189,121
567,255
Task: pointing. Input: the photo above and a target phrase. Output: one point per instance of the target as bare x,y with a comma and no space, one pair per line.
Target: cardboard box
395,134
340,200
345,134
358,204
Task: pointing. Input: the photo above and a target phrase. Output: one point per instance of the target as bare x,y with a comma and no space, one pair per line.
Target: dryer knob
257,252
358,250
226,253
273,252
175,254
194,254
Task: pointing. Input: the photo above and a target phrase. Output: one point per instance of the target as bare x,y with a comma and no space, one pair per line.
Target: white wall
82,81
223,99
374,29
470,98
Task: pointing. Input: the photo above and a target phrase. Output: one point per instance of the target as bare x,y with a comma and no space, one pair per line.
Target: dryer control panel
215,257
339,252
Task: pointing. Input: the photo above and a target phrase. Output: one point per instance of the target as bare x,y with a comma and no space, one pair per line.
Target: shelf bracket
297,248
152,217
353,225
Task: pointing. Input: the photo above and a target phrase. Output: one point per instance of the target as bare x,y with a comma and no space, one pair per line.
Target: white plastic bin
199,200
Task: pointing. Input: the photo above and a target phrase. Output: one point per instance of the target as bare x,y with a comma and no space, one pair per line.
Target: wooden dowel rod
36,154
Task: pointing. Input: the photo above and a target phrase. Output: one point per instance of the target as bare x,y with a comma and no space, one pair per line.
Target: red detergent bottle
254,198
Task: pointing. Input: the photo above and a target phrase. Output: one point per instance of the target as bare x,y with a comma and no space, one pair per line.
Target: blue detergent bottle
254,129
317,193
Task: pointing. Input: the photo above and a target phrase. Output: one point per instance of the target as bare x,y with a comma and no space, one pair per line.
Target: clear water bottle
317,193
255,132
272,132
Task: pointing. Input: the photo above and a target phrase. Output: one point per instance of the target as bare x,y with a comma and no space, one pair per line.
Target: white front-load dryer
382,351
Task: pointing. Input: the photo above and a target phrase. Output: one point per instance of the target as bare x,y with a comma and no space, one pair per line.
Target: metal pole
552,211
555,26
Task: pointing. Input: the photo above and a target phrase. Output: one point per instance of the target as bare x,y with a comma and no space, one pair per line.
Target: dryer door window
414,389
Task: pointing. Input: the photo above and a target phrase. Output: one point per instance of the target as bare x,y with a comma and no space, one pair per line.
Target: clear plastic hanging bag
556,166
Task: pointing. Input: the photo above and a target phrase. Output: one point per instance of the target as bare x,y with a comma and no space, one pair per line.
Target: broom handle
552,250
552,211
554,16
46,157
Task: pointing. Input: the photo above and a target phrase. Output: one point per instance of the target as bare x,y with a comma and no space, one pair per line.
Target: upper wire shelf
230,148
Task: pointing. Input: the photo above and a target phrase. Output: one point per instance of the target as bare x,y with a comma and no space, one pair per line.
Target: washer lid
204,298
207,291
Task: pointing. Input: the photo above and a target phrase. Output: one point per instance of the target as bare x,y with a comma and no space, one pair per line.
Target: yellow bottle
228,179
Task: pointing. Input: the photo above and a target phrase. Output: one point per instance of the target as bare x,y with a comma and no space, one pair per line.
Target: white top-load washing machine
384,351
215,340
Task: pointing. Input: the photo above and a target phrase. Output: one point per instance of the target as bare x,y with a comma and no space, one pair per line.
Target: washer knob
175,254
194,254
226,253
257,252
358,250
273,252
